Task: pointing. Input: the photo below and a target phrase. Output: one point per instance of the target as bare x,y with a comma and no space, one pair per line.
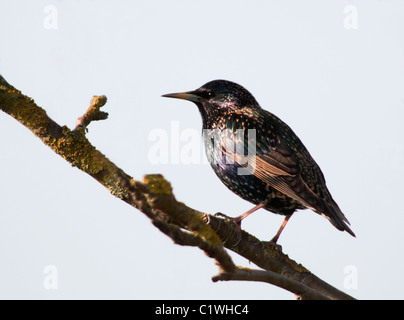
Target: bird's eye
205,94
208,94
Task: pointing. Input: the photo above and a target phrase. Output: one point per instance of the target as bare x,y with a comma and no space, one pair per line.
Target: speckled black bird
279,173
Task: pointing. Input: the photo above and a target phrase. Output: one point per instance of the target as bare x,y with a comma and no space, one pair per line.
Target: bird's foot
273,244
236,221
277,247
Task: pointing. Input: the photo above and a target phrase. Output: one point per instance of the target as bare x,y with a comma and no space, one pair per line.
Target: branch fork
93,113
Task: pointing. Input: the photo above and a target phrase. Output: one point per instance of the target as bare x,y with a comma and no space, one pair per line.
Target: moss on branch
154,196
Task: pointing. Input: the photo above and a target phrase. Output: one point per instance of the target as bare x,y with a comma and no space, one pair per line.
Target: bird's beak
190,95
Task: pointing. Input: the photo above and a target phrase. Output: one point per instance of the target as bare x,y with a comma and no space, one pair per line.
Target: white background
340,89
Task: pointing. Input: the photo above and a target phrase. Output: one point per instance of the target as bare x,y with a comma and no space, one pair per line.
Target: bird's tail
337,218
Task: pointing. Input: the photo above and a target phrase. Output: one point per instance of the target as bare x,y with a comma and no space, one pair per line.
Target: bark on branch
154,197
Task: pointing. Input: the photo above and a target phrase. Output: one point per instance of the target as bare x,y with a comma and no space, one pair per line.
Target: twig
202,235
302,291
93,113
4,83
184,238
153,196
267,257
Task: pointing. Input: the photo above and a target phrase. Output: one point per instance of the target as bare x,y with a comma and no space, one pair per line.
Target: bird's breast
227,153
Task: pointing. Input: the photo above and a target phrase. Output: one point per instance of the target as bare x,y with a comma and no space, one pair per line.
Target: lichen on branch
154,197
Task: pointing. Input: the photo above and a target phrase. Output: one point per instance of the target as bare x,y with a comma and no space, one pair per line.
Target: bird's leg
275,239
241,217
237,220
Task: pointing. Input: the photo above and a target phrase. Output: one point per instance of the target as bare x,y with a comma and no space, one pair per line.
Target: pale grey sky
336,80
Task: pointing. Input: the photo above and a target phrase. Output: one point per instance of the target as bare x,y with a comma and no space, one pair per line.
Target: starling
258,156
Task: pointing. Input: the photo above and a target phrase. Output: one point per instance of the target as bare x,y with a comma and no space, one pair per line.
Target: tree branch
154,197
93,113
302,291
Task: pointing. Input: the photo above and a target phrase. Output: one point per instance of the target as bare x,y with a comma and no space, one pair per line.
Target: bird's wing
278,157
283,174
281,170
278,167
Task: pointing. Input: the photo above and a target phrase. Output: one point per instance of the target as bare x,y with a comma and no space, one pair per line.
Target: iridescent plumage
270,167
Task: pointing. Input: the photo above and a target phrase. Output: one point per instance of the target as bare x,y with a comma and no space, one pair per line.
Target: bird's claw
236,222
222,215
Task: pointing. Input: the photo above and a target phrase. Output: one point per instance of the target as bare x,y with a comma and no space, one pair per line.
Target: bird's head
216,97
